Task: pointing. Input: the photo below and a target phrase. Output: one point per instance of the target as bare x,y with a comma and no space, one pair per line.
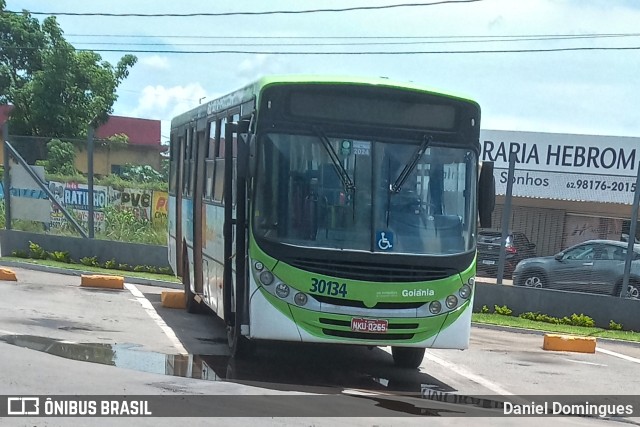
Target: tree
56,90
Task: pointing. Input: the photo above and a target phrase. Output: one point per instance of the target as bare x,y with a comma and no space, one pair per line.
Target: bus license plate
369,325
488,262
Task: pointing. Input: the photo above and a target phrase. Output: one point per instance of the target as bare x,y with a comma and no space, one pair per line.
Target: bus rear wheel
407,357
190,298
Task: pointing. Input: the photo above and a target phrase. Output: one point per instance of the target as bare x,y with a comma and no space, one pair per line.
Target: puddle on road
281,366
313,369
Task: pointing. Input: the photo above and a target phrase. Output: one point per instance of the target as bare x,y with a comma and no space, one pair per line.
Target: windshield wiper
347,182
409,167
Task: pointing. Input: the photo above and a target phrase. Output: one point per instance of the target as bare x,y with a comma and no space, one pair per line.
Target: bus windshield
302,197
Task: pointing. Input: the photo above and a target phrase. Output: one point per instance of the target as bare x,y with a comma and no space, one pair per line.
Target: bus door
235,296
201,142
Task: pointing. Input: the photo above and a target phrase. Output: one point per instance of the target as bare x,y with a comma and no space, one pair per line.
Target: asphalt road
51,328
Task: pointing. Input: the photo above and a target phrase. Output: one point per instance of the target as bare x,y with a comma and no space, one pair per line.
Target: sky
592,91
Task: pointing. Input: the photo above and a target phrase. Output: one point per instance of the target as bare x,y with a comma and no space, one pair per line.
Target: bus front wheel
240,346
407,357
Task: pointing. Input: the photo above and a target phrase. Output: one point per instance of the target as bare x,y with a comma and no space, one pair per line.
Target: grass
517,322
81,267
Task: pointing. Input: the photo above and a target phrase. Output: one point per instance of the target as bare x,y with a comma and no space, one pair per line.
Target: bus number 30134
328,287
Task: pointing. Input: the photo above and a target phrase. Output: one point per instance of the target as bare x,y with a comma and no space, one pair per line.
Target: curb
173,299
8,275
102,281
576,344
70,272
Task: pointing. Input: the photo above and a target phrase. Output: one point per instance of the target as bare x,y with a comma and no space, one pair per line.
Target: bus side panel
212,255
172,245
187,233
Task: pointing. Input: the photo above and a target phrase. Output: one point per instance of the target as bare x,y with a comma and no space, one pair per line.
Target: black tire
407,357
533,279
240,346
191,304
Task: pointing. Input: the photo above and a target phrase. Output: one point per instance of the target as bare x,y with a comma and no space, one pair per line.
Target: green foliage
124,267
60,256
124,226
20,253
36,251
615,326
484,309
56,90
60,158
504,310
141,174
90,261
165,270
581,320
111,264
574,320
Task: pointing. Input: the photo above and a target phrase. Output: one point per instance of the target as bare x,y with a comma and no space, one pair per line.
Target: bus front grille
371,272
367,336
360,304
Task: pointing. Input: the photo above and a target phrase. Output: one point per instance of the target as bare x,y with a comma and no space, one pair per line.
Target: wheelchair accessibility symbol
385,240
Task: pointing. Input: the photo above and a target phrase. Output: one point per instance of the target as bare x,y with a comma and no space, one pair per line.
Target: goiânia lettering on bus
418,293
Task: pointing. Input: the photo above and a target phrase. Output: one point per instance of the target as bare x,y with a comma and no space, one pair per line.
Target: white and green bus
331,210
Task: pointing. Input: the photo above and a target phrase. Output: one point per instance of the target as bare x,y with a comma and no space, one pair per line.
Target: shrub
60,256
111,264
169,271
90,261
20,254
615,326
36,251
504,310
124,267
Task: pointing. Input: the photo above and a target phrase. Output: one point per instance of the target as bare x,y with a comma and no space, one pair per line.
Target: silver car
594,266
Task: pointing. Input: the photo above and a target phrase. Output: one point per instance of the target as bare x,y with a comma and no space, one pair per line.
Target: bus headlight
435,307
451,301
266,278
258,265
300,299
465,291
282,290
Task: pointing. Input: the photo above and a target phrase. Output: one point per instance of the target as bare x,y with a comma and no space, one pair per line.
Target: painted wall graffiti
146,204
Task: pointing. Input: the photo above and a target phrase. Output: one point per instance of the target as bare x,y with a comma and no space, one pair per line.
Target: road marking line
584,362
620,355
463,372
148,307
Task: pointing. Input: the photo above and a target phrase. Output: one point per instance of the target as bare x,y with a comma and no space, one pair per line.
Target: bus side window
186,177
235,119
218,179
174,156
210,161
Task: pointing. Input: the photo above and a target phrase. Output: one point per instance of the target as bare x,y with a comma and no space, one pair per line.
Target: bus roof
254,89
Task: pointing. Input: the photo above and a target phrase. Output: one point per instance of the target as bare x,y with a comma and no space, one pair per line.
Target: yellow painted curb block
102,281
573,343
173,299
7,274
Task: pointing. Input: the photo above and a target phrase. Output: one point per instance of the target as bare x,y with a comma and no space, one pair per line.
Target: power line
271,12
433,52
366,43
550,36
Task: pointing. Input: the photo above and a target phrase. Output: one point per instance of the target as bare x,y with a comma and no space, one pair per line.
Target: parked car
595,266
517,248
